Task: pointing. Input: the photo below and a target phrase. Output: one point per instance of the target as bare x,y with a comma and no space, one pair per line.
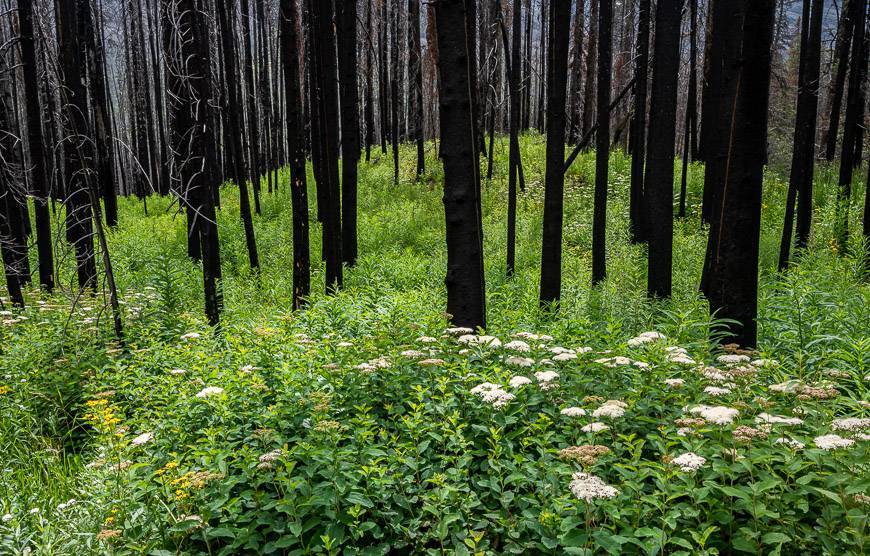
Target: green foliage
333,435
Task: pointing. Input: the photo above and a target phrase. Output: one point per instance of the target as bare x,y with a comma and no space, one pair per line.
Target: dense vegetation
357,425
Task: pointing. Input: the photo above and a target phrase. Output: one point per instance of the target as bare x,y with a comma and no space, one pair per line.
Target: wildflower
712,373
832,442
107,534
567,356
719,415
686,422
586,455
458,331
733,359
546,376
716,391
558,350
143,438
817,393
34,511
674,382
7,518
645,338
269,457
430,362
790,442
517,361
689,462
488,341
492,394
412,354
748,434
210,391
862,499
593,399
583,349
834,373
190,336
427,340
588,487
519,381
852,424
765,363
777,420
177,372
517,345
595,427
344,344
612,409
4,390
614,361
573,412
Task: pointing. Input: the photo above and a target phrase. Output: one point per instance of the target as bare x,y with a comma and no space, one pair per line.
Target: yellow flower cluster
191,481
102,415
169,466
4,389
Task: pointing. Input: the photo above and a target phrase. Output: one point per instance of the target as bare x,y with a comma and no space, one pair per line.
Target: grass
813,318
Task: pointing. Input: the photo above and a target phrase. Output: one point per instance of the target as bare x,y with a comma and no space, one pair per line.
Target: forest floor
359,425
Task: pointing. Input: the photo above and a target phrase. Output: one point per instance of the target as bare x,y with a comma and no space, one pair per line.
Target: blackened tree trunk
845,29
850,126
369,76
394,85
659,181
735,227
296,148
575,97
350,141
638,153
466,302
690,139
98,91
542,68
525,113
514,70
77,146
857,157
12,248
383,76
192,139
325,103
803,152
39,177
234,124
602,142
554,180
250,102
415,77
591,62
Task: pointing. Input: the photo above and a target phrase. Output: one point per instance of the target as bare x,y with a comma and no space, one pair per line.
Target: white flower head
790,442
190,336
610,410
7,518
517,345
733,359
832,442
716,391
674,382
209,391
427,340
595,427
573,412
567,356
778,420
177,372
458,331
519,381
852,424
143,438
588,487
517,361
546,376
719,415
689,462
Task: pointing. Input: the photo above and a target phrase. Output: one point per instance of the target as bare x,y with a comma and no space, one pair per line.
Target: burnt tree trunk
659,180
554,180
591,62
845,28
415,77
602,142
690,134
350,141
296,148
466,302
736,218
575,97
638,153
514,149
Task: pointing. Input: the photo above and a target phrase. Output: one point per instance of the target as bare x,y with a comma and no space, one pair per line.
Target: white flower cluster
595,427
588,487
492,394
573,412
778,420
645,338
716,391
190,336
517,345
733,359
718,414
674,382
611,409
458,331
851,424
210,391
519,381
532,336
790,442
832,442
475,340
547,379
143,438
517,361
680,356
689,462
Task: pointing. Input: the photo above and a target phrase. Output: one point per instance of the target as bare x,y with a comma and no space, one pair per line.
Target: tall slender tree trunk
415,76
394,85
554,179
690,139
845,29
466,301
234,124
296,151
370,73
575,98
638,153
514,71
659,181
350,141
850,126
591,64
250,102
35,143
12,248
602,142
325,103
803,151
736,218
